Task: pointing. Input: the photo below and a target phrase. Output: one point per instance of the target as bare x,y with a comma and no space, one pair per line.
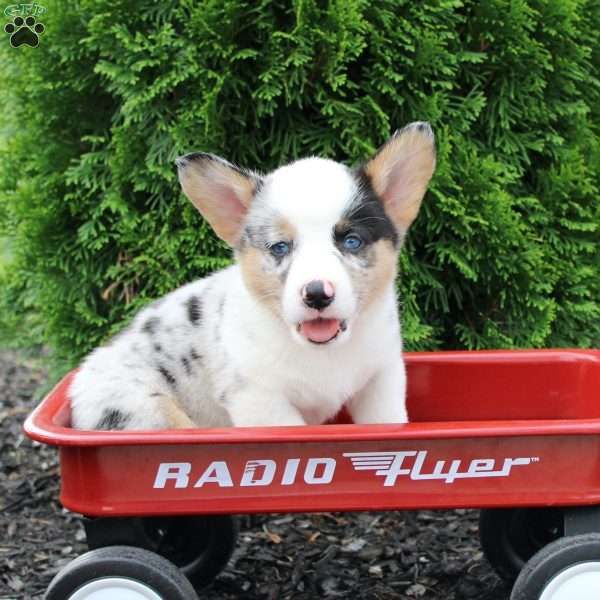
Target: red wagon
514,433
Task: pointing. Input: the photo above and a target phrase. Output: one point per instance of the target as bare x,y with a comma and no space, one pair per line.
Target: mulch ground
391,555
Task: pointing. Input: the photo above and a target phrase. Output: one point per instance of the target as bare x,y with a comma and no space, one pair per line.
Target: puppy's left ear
219,190
401,170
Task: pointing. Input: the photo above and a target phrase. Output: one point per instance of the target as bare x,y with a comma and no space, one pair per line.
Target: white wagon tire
122,572
566,569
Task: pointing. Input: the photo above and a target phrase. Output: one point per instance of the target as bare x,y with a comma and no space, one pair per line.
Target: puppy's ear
219,190
401,170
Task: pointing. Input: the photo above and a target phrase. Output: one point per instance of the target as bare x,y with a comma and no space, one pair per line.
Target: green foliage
505,252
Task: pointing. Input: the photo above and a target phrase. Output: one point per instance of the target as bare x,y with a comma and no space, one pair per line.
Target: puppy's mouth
321,331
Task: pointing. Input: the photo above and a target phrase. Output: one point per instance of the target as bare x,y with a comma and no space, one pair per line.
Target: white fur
282,383
242,363
312,194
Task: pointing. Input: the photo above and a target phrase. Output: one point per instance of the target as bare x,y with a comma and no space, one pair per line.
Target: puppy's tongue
320,330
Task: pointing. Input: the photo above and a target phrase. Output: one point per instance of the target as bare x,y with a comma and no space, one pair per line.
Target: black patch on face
365,217
168,376
157,348
112,419
151,325
194,310
186,365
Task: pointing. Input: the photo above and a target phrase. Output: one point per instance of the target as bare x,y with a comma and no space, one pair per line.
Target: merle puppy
305,322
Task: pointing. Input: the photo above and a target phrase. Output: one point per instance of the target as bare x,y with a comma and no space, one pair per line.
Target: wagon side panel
305,477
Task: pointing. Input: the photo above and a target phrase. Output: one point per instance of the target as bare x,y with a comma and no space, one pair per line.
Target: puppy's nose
318,294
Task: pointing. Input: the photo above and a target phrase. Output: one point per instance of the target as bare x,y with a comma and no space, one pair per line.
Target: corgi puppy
304,323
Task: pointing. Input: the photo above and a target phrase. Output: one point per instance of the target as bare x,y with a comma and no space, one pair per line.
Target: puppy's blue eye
352,242
280,249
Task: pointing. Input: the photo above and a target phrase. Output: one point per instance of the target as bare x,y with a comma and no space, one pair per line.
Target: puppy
304,323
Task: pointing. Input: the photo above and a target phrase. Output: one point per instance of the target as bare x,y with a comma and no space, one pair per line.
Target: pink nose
318,293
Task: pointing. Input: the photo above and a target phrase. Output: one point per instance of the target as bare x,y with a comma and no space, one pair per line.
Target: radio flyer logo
391,465
414,465
25,28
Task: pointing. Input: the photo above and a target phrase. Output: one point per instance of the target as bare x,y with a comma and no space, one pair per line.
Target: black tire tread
220,534
552,559
126,561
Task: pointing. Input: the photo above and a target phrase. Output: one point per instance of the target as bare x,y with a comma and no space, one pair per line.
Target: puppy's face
317,242
317,247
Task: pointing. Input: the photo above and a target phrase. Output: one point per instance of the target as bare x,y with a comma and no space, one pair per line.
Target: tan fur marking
381,273
176,417
287,229
384,269
264,285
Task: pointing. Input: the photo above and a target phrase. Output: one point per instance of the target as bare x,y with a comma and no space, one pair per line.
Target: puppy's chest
319,390
318,405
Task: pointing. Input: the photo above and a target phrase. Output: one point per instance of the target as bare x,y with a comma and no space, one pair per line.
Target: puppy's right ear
219,190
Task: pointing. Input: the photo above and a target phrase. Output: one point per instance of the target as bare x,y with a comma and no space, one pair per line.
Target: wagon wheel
200,546
566,569
511,536
120,572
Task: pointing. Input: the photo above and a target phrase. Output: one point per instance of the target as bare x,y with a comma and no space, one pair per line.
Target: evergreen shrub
505,252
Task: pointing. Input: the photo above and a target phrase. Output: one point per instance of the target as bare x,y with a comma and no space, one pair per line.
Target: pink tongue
320,330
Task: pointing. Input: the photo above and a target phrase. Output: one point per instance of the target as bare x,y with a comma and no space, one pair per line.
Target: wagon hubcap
113,588
579,582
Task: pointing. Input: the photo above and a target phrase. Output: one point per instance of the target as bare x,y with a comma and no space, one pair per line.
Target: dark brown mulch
392,555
